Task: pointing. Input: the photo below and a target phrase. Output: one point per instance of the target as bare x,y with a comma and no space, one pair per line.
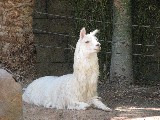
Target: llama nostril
98,44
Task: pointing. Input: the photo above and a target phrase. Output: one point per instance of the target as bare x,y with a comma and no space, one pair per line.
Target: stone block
10,97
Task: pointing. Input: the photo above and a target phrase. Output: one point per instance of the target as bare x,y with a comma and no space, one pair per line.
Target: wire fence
52,16
145,58
37,31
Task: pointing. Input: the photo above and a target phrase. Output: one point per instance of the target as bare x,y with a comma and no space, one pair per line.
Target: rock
10,97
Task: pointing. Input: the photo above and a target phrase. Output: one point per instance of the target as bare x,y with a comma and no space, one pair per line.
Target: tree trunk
121,61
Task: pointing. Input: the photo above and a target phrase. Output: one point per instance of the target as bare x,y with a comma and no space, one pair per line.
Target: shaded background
55,26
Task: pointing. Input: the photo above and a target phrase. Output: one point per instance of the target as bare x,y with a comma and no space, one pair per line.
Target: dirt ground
133,103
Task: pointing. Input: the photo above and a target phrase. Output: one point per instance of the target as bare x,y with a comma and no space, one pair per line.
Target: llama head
88,43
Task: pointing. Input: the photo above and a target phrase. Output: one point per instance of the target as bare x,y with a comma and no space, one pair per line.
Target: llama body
73,91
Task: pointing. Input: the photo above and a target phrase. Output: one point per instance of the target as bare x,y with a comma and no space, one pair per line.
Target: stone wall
10,97
16,37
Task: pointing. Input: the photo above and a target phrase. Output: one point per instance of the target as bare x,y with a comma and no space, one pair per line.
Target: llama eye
87,42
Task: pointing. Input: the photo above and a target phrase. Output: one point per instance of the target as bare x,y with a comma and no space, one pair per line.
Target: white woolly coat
72,91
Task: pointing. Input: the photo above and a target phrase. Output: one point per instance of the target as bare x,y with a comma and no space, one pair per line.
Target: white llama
73,91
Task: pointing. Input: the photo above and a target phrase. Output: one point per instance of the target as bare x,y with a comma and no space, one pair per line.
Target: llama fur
72,91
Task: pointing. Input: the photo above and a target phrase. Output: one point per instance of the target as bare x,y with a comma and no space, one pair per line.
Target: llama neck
86,71
85,65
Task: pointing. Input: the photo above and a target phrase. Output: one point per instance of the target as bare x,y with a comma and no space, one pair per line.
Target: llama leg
98,104
79,106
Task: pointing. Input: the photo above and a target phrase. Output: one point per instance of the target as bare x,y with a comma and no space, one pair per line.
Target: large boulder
10,97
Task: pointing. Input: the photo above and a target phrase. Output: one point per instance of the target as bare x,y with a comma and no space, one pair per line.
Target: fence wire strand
83,19
38,31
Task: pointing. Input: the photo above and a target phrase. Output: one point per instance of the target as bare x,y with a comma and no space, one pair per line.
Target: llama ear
82,33
94,32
